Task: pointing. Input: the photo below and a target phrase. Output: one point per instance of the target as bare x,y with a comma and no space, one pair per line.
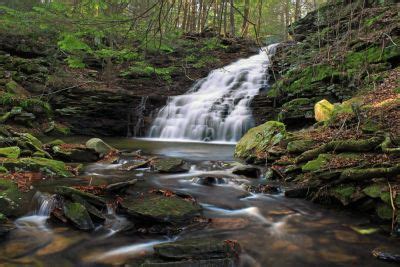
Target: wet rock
5,225
11,198
387,254
44,165
260,138
248,171
74,153
297,192
99,145
133,165
193,263
11,152
209,180
78,215
198,249
158,208
170,165
70,192
94,213
121,186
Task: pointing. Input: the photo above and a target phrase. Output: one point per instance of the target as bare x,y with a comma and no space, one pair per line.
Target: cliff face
336,51
101,100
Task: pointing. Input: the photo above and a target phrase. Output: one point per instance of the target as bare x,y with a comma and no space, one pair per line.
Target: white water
216,107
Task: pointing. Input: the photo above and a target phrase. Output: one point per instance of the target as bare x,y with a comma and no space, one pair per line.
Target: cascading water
216,108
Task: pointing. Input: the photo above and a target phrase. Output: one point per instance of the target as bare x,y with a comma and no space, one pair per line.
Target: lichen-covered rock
323,110
259,138
170,165
44,165
99,145
316,164
300,146
78,215
11,152
70,192
159,208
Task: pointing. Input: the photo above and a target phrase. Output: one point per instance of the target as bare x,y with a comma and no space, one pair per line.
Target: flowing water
216,107
272,230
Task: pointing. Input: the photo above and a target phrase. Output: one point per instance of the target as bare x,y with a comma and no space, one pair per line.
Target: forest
199,133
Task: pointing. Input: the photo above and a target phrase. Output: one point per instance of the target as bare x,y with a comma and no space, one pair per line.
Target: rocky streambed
168,204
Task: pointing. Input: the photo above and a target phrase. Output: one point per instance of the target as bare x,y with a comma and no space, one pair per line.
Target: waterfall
216,108
136,118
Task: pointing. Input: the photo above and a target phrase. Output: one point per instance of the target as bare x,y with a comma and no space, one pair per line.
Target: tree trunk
245,17
297,11
232,19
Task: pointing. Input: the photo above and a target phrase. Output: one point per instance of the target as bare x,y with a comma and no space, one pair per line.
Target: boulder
300,146
260,138
198,249
99,145
46,166
74,153
78,215
323,110
70,192
248,171
170,165
121,186
11,152
158,208
209,180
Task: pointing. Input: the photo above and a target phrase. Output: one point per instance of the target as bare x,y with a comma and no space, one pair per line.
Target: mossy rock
170,165
384,211
57,129
78,215
300,146
158,208
70,192
323,110
374,190
74,153
46,166
11,152
55,142
11,198
259,138
317,164
99,145
344,193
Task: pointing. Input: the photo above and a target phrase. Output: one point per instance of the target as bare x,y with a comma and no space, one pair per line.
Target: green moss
374,190
343,193
259,138
374,54
11,86
300,146
3,169
10,197
79,216
385,197
28,104
12,152
317,164
384,211
47,166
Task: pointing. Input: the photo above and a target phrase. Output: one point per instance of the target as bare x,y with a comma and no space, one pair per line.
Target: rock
133,165
170,165
78,215
11,152
55,142
323,110
297,192
247,171
387,254
94,213
317,164
230,262
46,166
158,208
121,186
259,138
5,225
11,198
99,145
198,249
74,153
209,180
69,192
57,129
299,146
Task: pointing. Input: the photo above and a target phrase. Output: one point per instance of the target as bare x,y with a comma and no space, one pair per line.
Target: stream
271,229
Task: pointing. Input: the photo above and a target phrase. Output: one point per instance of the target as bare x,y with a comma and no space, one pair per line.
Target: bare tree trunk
225,17
260,4
221,11
245,17
177,20
199,17
193,17
185,16
232,19
297,11
287,19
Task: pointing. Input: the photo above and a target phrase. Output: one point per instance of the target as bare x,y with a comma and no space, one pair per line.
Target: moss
10,197
374,190
28,104
300,146
317,164
48,166
259,138
11,86
385,197
343,193
323,110
78,215
3,169
384,211
12,152
374,54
